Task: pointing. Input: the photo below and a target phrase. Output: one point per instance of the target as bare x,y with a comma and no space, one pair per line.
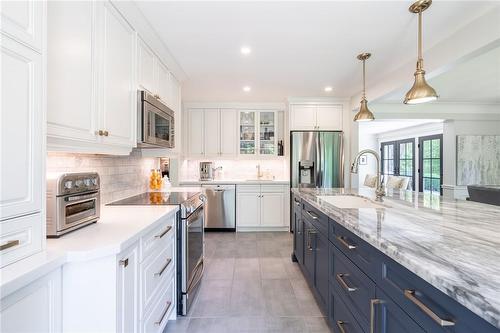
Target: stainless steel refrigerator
316,159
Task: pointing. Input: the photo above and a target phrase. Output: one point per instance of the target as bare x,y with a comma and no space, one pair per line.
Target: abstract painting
478,159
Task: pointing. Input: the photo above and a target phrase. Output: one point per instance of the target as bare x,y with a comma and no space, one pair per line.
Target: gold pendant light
421,92
364,114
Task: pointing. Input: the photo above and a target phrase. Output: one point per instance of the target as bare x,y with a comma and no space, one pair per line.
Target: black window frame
396,158
421,161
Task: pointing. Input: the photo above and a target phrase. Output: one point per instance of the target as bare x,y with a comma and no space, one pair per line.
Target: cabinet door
21,126
389,318
329,117
248,132
164,85
228,132
175,94
248,209
272,210
211,130
309,233
71,76
22,20
34,308
303,117
321,251
147,67
119,109
298,235
128,286
267,133
195,132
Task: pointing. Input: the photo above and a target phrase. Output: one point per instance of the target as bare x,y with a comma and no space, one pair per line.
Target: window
398,159
431,167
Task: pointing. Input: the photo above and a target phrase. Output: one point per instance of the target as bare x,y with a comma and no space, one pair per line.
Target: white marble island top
453,245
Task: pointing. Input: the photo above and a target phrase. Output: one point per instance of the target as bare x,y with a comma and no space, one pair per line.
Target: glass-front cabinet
258,132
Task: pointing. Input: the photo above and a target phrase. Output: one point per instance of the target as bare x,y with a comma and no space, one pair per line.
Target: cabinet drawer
388,317
158,237
343,321
248,188
272,188
157,271
157,318
353,286
356,249
317,218
20,237
426,304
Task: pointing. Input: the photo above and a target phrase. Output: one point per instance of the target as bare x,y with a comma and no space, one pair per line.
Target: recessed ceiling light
245,50
247,88
328,89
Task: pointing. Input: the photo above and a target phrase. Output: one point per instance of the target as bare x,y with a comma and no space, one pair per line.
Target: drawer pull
410,294
123,262
340,325
373,302
340,279
9,244
164,232
164,267
312,215
309,240
158,323
345,243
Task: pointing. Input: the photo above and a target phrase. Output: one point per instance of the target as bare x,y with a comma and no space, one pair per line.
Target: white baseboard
261,229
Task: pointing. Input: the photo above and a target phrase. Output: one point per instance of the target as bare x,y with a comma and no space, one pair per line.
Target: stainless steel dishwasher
220,207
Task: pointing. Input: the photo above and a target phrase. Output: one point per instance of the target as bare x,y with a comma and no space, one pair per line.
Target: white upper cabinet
119,115
211,132
21,145
175,98
228,132
72,74
316,117
91,78
164,89
22,20
146,67
195,133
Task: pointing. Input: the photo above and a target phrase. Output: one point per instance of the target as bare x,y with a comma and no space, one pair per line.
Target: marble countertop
235,181
454,245
118,228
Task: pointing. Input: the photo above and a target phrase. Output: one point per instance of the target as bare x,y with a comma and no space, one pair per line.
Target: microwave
155,125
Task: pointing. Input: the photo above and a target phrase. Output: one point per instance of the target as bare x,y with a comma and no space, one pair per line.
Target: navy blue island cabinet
361,290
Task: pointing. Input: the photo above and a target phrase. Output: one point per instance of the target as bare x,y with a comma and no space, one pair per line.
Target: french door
398,159
430,162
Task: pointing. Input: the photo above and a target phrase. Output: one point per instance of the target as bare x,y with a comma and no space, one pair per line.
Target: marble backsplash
235,169
121,176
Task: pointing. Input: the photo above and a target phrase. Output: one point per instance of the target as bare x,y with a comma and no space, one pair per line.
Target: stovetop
156,198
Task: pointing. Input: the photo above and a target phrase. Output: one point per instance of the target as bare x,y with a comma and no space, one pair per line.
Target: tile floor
251,285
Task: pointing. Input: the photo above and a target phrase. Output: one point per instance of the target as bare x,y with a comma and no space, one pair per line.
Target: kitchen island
437,259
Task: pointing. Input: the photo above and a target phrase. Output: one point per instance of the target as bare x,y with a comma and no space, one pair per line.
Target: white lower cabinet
261,207
128,290
34,308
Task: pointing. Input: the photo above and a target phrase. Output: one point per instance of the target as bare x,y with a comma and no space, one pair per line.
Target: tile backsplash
121,176
236,169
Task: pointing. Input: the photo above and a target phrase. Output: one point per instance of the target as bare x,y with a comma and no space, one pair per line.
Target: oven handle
194,216
195,280
79,198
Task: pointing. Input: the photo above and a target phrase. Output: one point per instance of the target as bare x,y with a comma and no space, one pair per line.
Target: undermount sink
350,201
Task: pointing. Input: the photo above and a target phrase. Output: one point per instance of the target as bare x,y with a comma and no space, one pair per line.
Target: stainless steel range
190,239
73,201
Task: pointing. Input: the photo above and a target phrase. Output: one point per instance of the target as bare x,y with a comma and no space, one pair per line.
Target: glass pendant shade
364,114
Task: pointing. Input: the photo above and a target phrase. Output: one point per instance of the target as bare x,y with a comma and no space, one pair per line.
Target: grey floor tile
247,298
307,303
292,268
213,299
285,325
220,268
280,299
272,268
177,326
317,325
246,268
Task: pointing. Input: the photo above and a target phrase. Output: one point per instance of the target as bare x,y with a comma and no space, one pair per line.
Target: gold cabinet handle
163,233
340,279
106,133
345,243
373,302
158,323
123,262
100,132
169,260
312,215
340,325
9,244
410,294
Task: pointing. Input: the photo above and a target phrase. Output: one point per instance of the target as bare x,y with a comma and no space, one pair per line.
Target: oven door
158,127
76,209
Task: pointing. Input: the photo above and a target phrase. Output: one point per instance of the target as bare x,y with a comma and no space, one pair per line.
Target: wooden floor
251,285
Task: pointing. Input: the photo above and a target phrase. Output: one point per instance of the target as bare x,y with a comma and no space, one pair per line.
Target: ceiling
474,81
382,126
298,48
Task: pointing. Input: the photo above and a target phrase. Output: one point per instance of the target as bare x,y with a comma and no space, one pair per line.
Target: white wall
367,141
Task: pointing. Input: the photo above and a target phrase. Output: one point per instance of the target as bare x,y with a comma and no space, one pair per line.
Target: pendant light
421,92
364,114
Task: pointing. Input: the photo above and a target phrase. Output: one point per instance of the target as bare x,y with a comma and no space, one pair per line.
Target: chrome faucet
379,189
